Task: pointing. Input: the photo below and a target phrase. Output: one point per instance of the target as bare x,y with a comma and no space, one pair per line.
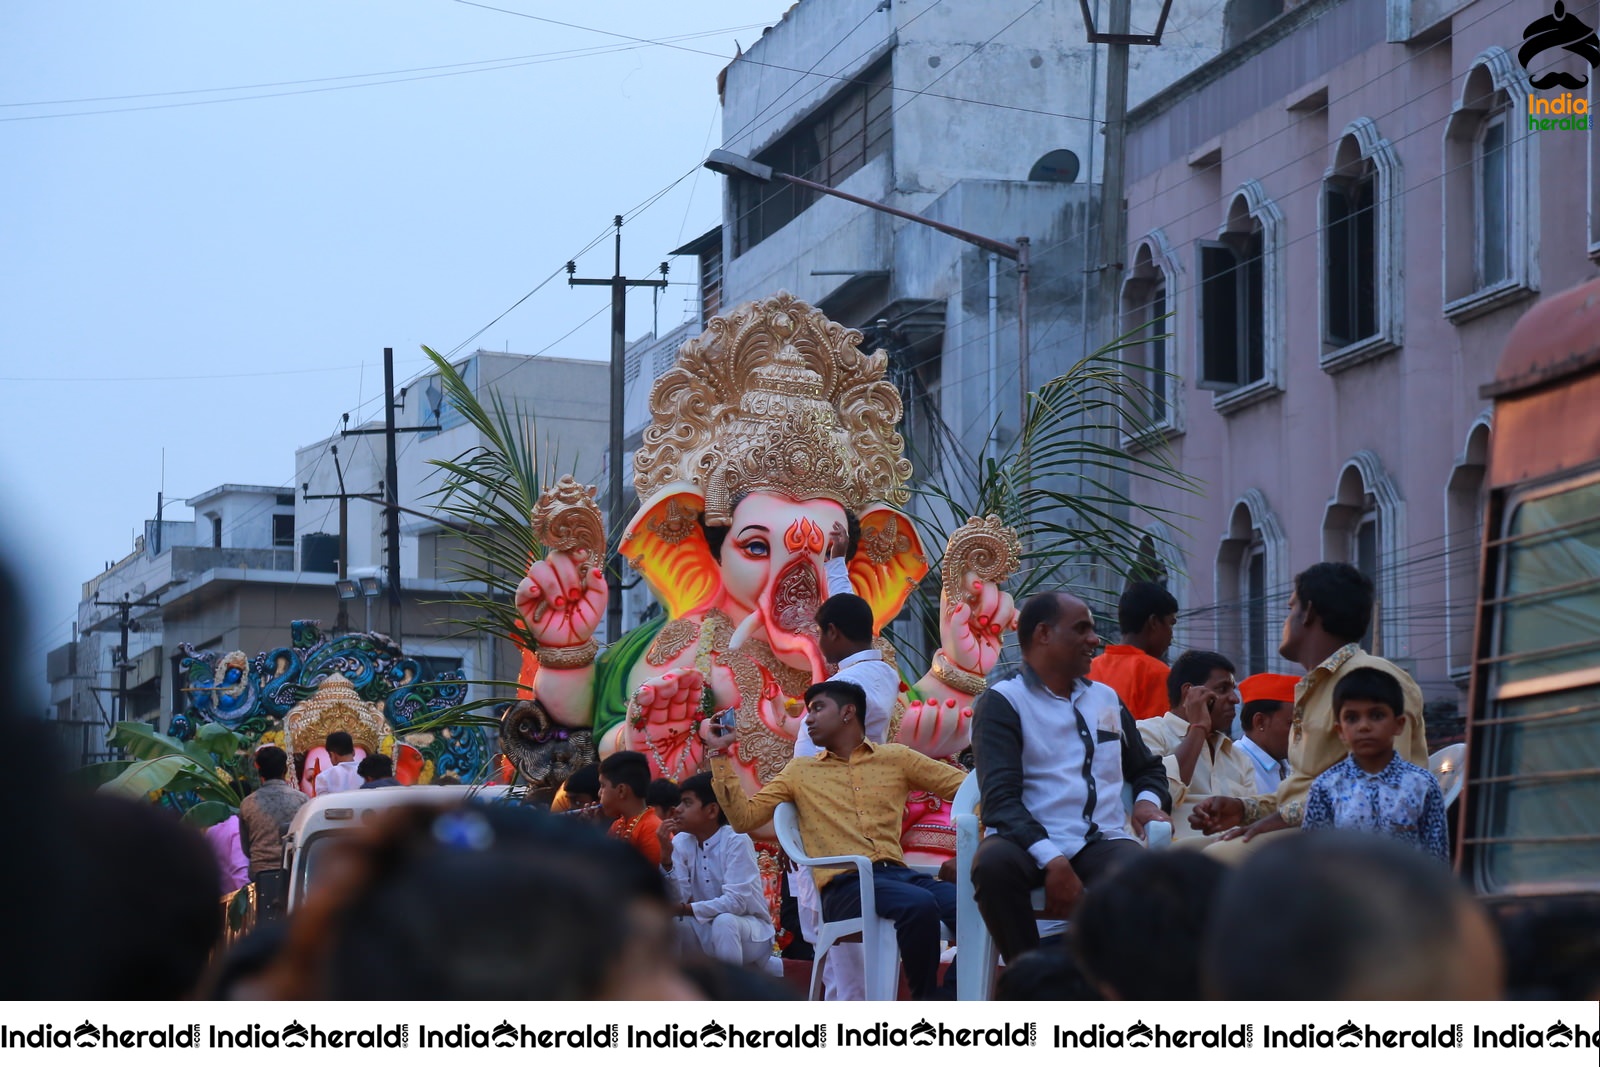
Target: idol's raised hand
563,599
971,630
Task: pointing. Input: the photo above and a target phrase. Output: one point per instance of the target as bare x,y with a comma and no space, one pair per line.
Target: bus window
1538,822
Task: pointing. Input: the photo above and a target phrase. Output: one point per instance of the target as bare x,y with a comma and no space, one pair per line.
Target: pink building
1341,216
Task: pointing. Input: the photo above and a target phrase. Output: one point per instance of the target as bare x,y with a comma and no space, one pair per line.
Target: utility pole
390,489
342,625
124,608
1113,221
619,340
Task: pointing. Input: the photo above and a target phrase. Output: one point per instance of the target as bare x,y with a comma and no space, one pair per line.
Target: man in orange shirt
1136,669
624,779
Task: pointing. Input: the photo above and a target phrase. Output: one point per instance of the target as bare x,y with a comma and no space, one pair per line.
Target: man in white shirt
713,879
1268,715
845,638
844,622
342,776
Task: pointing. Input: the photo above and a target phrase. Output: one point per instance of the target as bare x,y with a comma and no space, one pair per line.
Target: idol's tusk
742,633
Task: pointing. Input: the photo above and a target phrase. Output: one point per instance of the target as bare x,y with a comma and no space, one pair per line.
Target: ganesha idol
770,433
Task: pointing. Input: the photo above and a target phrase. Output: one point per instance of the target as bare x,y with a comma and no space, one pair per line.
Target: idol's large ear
665,543
888,564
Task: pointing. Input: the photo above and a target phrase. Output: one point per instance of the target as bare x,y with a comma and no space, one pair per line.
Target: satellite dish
1060,165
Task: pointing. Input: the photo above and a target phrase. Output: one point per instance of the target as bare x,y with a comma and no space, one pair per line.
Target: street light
358,586
737,166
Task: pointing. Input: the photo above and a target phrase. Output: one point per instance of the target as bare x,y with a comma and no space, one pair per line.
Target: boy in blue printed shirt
1373,790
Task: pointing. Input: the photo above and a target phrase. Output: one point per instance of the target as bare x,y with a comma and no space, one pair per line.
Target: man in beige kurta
1329,611
1192,739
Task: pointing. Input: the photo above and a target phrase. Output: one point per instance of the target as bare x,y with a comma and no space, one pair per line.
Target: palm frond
1065,484
489,492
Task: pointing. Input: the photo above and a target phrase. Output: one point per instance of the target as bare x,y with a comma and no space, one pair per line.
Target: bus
1529,818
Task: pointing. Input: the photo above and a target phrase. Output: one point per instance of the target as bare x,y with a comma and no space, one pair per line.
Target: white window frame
1250,208
1361,141
1155,266
1495,88
1480,199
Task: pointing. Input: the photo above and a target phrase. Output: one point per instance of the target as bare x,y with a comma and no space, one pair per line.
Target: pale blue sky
219,279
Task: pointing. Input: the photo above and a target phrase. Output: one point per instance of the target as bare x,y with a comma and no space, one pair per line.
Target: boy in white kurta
714,880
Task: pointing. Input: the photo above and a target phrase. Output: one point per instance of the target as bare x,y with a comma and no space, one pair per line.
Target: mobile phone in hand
723,724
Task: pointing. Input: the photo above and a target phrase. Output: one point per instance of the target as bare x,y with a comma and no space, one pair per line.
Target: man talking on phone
1192,740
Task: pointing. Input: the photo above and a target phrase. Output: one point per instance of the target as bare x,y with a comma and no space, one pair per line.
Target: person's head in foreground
1331,606
662,794
833,713
401,915
1553,949
1268,711
1154,909
624,781
844,626
1146,615
1344,916
1369,710
698,811
583,786
1045,973
375,768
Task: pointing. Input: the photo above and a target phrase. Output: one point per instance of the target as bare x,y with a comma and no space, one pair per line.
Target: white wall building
252,559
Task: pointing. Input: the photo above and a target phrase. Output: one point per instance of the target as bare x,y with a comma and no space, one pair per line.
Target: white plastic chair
881,950
976,956
1449,770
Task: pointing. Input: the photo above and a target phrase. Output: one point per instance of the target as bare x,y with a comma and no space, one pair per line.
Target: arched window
1490,171
1463,543
1149,298
1360,235
1240,349
1364,524
1252,584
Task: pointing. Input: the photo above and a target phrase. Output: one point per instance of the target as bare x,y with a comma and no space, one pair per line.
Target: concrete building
254,558
982,116
562,400
217,579
1342,216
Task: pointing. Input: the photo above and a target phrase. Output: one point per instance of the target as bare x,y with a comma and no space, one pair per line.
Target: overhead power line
316,86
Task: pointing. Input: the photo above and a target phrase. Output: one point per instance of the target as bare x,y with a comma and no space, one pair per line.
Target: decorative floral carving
884,543
986,548
676,524
674,637
566,519
775,397
334,706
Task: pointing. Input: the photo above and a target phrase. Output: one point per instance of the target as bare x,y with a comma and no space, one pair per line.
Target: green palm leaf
1065,483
